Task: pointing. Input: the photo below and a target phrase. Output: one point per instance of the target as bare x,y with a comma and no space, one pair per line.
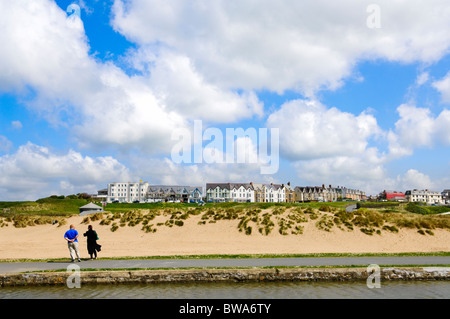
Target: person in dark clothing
92,245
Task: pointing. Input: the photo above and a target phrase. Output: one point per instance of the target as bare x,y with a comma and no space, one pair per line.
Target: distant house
353,194
143,192
174,193
127,192
446,196
101,195
290,193
425,196
310,193
230,192
327,194
315,193
392,196
247,192
90,209
269,193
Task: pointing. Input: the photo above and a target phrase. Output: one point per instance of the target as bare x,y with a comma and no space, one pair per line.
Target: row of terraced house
143,192
129,192
278,193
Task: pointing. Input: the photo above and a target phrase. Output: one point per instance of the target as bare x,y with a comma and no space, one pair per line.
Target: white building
424,196
270,193
143,192
230,192
127,192
175,193
246,192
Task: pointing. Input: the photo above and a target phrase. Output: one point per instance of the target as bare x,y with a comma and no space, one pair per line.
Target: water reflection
263,290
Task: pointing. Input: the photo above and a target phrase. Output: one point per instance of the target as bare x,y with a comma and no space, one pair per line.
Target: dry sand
223,237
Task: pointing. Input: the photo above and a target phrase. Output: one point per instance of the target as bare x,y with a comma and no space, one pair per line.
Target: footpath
19,267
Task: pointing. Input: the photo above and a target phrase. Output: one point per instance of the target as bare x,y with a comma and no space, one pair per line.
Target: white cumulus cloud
288,44
443,86
45,59
417,128
310,130
35,171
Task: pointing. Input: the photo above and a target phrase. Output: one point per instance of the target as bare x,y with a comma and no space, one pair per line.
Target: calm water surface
263,290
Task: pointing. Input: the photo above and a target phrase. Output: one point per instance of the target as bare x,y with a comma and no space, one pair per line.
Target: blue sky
94,99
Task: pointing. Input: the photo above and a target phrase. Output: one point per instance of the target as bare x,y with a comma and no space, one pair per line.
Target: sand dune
222,237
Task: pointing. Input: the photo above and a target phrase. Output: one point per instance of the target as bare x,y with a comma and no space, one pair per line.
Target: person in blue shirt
72,242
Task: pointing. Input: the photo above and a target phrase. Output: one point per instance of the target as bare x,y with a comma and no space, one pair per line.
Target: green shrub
284,226
22,221
368,231
368,218
179,223
342,217
148,228
416,209
96,216
325,208
298,230
325,223
279,210
392,229
106,221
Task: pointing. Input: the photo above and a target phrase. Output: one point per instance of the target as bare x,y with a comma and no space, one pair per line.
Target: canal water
260,290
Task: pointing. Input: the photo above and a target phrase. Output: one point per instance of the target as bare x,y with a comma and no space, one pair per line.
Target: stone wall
223,275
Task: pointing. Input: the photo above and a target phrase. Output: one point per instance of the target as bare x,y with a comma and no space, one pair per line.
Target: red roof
393,195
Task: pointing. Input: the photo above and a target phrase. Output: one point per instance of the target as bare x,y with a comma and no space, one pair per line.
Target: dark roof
174,189
228,186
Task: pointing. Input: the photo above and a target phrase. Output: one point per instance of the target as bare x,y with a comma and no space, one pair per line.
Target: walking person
92,245
72,242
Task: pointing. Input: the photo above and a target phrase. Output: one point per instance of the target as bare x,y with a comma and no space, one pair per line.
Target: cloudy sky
359,91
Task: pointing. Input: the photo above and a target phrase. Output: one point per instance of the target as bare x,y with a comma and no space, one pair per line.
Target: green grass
43,207
426,210
121,207
58,206
378,204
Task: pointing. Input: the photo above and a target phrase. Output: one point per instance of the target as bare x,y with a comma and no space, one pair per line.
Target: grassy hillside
66,206
51,206
229,205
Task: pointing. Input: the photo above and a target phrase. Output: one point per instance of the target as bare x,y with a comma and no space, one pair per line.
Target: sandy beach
223,237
